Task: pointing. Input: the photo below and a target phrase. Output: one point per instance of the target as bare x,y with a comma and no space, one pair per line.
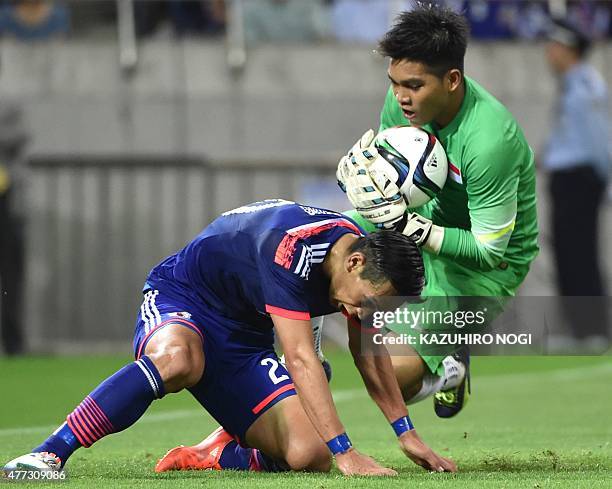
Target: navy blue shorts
243,376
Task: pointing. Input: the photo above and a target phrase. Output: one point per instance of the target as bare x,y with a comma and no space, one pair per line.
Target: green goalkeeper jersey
488,204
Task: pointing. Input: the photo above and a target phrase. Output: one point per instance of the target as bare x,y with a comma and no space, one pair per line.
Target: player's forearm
382,387
312,388
377,373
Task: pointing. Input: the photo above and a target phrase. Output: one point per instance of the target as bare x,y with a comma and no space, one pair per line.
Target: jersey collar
445,132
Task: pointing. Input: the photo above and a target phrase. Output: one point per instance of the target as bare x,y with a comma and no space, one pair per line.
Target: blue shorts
243,376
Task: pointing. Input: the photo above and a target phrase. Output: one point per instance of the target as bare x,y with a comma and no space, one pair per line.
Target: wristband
339,444
402,425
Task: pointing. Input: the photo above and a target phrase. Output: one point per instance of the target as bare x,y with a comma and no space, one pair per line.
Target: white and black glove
362,175
370,191
424,233
345,167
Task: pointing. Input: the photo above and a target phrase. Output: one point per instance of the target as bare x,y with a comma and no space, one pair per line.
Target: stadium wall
290,99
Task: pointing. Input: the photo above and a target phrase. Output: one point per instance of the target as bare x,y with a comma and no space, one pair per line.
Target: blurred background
126,126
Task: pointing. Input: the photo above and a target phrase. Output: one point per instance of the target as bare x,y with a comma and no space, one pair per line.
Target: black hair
391,256
430,34
569,34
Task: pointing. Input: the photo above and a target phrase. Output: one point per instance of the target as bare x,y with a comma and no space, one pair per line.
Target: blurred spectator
592,16
577,158
204,17
13,138
34,20
285,20
186,17
491,20
93,18
503,19
532,19
364,20
148,15
528,19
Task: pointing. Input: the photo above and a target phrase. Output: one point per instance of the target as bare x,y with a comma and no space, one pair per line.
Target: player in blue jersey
207,324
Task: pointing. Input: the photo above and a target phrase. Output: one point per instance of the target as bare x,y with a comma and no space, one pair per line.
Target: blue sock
62,442
235,457
239,458
113,406
268,464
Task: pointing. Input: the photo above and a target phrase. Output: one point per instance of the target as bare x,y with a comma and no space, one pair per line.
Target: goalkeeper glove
424,233
371,193
345,166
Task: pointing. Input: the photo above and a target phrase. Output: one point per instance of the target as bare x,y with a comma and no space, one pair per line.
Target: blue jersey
260,259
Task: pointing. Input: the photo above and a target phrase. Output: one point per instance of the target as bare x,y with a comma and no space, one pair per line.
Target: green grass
532,422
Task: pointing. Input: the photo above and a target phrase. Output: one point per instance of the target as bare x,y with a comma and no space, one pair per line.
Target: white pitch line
346,395
340,396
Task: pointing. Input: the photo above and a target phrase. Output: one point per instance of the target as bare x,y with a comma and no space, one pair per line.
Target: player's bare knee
311,457
321,460
179,366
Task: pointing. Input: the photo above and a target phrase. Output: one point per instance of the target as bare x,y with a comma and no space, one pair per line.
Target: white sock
317,332
431,384
454,372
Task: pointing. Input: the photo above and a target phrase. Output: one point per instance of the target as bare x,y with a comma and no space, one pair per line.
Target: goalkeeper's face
423,96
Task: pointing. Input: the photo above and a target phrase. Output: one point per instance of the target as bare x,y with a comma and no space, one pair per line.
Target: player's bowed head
385,263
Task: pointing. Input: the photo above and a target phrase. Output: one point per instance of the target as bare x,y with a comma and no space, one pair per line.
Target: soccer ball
414,160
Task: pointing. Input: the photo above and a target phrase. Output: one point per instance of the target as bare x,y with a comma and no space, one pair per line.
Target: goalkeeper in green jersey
479,234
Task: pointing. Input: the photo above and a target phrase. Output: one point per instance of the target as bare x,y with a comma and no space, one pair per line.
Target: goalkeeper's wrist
401,224
401,425
431,236
433,243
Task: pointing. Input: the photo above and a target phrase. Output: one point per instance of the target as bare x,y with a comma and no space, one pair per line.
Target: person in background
34,20
372,17
577,158
13,139
201,17
285,20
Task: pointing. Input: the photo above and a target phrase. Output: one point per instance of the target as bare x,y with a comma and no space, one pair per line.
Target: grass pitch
532,422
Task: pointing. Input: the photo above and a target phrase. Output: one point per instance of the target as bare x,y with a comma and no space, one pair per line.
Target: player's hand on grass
355,463
417,451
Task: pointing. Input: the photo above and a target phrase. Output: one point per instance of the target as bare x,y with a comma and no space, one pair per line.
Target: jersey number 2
272,372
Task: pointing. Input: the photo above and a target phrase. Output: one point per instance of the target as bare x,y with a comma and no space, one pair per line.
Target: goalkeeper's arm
492,202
